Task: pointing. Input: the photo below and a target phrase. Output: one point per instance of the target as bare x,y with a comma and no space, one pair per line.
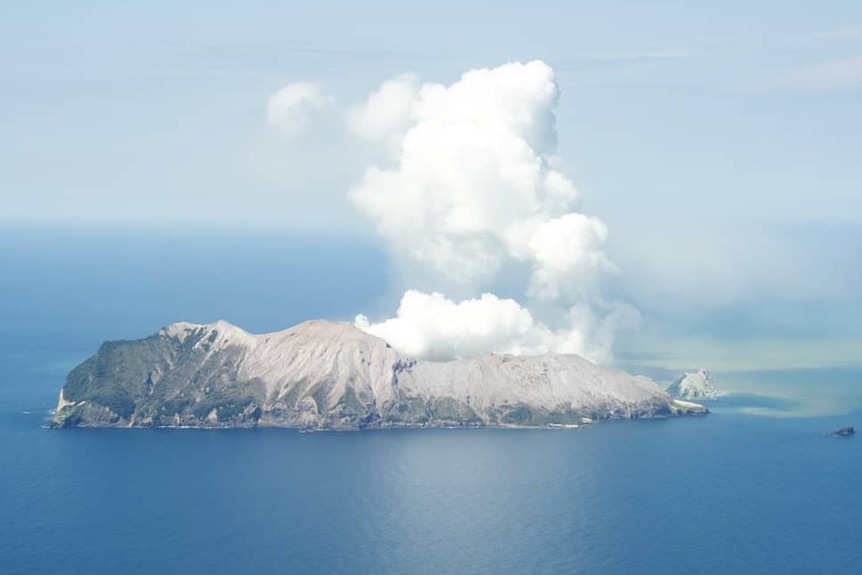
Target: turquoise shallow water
728,493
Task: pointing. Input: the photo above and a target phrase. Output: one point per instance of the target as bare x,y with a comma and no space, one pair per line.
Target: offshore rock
697,385
843,432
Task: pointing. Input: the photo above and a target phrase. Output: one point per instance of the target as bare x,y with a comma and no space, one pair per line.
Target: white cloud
291,108
434,327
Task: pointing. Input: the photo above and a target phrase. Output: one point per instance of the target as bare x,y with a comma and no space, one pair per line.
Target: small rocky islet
697,386
843,432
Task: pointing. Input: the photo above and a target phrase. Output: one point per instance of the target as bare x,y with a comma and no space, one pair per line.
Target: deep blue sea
728,493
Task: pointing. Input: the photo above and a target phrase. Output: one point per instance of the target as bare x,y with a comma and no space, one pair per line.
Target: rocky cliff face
321,374
697,385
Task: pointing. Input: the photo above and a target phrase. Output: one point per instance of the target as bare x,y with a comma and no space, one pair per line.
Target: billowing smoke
472,179
471,193
472,186
433,327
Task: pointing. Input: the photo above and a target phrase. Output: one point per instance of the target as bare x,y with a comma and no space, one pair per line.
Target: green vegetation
227,406
349,405
161,378
116,375
524,415
174,406
448,409
114,398
409,411
520,415
66,417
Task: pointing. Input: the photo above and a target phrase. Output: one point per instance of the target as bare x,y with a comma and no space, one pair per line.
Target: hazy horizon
269,280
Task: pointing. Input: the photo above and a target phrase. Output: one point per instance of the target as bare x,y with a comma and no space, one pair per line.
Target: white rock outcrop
694,385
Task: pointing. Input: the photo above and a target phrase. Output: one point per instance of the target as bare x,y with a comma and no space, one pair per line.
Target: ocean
755,487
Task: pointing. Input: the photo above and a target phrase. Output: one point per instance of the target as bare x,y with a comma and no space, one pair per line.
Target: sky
715,142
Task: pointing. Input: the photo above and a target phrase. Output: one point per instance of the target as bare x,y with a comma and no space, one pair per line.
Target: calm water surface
725,493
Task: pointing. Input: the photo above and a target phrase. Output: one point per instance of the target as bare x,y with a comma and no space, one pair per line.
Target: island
697,385
328,375
843,432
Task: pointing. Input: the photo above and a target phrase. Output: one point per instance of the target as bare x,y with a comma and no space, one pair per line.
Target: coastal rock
326,375
680,407
843,432
694,385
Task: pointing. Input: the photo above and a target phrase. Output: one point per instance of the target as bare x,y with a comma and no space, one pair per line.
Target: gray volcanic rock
329,375
697,385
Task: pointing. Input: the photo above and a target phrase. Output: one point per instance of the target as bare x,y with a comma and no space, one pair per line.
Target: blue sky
717,140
